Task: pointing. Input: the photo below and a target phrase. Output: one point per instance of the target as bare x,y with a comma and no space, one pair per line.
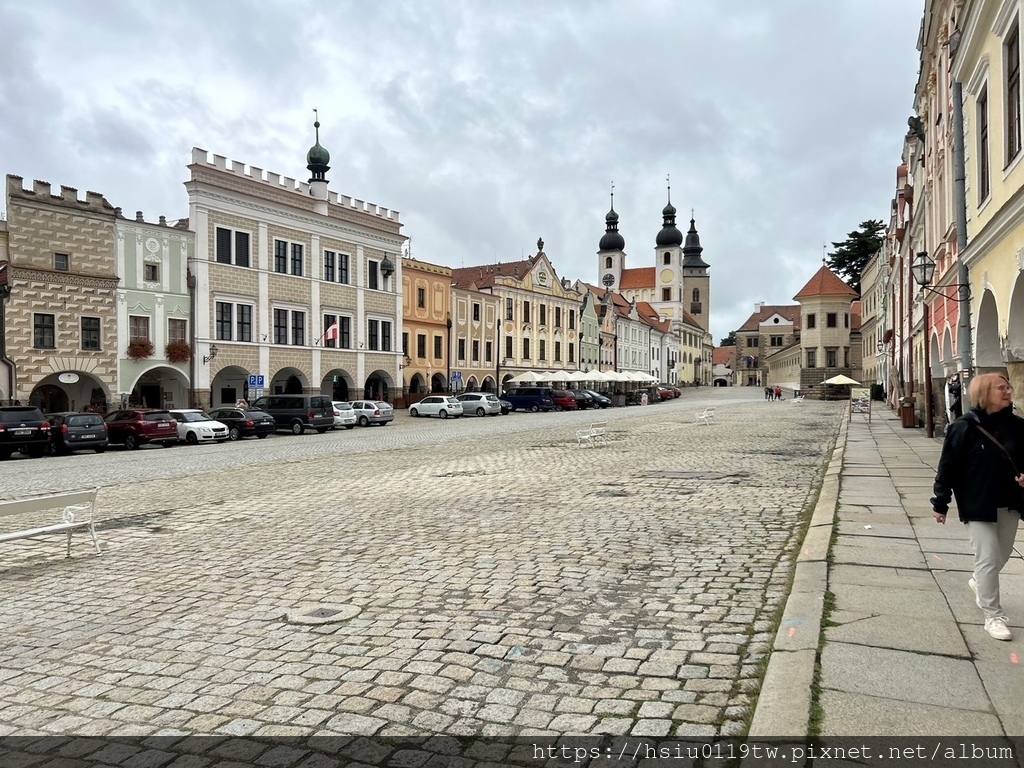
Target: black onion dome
612,240
693,249
670,235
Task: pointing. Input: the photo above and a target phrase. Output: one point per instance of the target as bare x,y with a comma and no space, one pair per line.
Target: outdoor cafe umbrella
840,380
524,378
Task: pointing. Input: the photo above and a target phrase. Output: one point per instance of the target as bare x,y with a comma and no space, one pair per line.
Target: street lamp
387,267
212,355
923,270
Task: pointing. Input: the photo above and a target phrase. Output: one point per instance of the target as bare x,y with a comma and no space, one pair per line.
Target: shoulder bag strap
1001,447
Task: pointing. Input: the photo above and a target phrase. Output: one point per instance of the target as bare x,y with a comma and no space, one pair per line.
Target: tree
728,341
851,255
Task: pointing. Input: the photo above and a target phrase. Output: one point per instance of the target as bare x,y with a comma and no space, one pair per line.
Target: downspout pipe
963,335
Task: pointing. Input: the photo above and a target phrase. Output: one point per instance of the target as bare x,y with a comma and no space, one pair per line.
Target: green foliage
851,255
728,341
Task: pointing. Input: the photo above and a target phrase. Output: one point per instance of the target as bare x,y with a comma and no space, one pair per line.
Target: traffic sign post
257,381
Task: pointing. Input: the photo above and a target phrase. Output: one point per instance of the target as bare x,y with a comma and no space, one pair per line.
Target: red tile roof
641,277
483,276
789,311
723,355
825,283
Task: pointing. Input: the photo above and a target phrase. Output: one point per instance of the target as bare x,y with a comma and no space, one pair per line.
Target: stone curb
784,703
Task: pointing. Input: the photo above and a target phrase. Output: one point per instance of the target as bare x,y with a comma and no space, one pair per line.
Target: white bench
799,400
707,416
76,511
591,434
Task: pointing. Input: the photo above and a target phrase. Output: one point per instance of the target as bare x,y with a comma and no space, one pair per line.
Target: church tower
696,280
668,265
611,255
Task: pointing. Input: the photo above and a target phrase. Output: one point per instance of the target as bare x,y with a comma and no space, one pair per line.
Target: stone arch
438,383
288,381
487,385
231,383
417,384
52,395
947,352
472,384
339,385
987,346
158,386
1013,346
380,385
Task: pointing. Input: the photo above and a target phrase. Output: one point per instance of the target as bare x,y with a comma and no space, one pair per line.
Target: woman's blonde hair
982,388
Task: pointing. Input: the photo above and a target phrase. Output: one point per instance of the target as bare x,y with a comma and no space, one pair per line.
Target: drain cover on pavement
321,613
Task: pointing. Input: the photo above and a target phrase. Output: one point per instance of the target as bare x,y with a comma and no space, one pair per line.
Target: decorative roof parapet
287,184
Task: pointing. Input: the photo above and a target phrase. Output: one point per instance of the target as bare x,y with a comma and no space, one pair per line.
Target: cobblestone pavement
503,581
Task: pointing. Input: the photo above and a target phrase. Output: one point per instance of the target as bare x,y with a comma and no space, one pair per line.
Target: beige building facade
426,332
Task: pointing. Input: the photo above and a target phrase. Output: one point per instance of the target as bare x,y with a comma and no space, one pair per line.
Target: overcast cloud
489,124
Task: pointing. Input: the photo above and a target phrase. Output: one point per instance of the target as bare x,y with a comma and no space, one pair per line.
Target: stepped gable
825,283
638,277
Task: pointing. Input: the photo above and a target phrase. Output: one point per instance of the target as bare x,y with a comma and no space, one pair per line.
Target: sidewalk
903,649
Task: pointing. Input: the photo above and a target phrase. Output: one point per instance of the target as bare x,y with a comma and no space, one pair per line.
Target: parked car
133,427
531,399
298,412
442,406
584,399
72,431
564,400
344,416
373,412
480,404
667,392
243,422
23,428
506,407
601,401
195,426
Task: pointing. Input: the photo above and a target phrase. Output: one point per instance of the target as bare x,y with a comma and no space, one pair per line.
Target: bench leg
95,541
69,543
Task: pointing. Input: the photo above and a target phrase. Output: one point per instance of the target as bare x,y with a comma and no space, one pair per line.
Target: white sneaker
974,588
997,628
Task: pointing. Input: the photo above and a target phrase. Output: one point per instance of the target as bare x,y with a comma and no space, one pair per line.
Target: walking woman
979,467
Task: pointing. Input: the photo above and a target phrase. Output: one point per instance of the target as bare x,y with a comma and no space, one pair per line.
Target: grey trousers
993,545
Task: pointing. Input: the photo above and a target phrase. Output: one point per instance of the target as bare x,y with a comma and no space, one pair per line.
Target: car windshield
453,400
192,416
85,420
343,406
492,398
16,414
382,405
158,416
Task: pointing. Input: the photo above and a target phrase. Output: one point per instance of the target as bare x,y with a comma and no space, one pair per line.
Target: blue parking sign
256,381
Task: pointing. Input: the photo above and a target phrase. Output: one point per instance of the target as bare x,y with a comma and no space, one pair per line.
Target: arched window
696,294
667,258
608,262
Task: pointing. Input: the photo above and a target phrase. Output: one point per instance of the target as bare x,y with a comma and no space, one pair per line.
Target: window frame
91,339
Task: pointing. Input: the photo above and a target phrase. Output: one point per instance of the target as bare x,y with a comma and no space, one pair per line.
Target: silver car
344,415
373,412
442,406
480,404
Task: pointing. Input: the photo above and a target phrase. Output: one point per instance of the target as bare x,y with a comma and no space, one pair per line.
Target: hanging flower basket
139,349
178,352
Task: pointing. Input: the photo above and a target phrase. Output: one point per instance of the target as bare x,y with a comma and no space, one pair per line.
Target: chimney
758,306
163,221
138,216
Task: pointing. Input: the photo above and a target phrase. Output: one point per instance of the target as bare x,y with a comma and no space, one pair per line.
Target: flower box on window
178,352
139,349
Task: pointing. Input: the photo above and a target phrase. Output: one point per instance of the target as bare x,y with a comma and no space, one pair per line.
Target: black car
600,401
23,428
584,399
72,431
243,422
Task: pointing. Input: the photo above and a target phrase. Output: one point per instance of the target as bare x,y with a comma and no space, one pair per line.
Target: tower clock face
608,280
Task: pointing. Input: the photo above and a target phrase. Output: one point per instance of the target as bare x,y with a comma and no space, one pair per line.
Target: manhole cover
321,613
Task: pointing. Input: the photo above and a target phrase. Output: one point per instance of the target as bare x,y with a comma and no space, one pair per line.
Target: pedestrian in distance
767,393
778,392
979,467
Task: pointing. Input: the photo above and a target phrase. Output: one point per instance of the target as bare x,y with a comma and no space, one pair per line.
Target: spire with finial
692,249
317,158
612,240
669,236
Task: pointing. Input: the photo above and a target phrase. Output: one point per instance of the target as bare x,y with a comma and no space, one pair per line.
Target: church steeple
692,249
317,158
612,240
670,235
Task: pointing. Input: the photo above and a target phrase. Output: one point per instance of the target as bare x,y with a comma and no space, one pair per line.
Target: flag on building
332,331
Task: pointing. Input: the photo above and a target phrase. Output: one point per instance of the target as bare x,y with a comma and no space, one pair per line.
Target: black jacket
974,470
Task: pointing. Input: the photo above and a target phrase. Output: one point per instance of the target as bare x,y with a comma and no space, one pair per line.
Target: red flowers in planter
178,352
139,349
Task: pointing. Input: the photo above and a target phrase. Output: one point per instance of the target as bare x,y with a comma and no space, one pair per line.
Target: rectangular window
371,275
753,341
297,259
222,321
241,249
151,273
812,358
405,344
846,357
508,347
831,320
280,326
243,320
543,349
1011,50
177,330
558,351
138,328
526,349
543,314
372,331
462,351
298,328
476,312
438,348
776,341
223,246
489,351
232,247
558,317
846,320
666,294
330,260
281,257
385,336
526,312
510,311
421,298
421,346
831,358
343,268
91,333
345,339
572,352
61,262
984,175
476,351
330,320
572,319
43,336
811,323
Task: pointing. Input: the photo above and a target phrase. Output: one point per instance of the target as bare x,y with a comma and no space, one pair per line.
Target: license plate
164,424
23,431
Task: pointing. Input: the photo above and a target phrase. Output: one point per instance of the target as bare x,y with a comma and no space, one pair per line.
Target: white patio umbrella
529,377
578,376
841,379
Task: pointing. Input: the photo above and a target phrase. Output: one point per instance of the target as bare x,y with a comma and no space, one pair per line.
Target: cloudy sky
489,124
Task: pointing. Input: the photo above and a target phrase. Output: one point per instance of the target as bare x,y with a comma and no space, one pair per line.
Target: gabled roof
722,355
825,283
640,277
650,316
619,302
855,315
483,276
789,311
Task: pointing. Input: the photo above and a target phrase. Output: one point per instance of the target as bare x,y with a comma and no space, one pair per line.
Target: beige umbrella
841,379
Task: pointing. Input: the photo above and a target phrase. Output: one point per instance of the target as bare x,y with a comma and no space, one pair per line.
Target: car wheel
363,421
443,414
558,407
261,436
233,434
350,426
99,450
131,442
479,411
296,427
534,408
191,438
414,413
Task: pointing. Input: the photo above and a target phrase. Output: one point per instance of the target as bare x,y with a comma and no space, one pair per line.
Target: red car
564,400
668,392
137,426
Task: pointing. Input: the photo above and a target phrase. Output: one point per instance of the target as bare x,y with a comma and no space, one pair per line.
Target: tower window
608,262
666,258
666,294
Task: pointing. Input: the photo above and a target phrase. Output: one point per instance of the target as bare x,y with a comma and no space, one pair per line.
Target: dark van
298,412
531,399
